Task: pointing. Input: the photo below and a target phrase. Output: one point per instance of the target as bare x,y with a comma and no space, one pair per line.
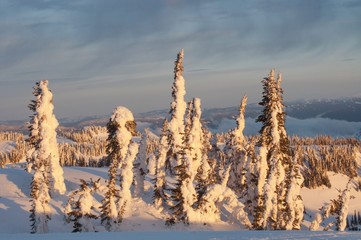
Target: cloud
91,41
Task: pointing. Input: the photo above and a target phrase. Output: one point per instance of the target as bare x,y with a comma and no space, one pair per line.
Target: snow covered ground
145,221
182,235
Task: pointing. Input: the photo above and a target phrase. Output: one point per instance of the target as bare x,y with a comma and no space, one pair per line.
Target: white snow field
144,221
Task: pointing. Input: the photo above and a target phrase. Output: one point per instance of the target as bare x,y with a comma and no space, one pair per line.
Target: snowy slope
144,221
182,235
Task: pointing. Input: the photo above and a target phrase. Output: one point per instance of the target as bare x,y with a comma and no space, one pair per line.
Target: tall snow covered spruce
193,159
121,152
274,209
42,136
177,111
43,158
236,153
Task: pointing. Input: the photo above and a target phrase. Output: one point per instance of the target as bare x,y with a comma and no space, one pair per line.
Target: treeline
20,147
317,155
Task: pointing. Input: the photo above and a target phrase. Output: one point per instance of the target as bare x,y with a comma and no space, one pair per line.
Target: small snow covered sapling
336,207
81,206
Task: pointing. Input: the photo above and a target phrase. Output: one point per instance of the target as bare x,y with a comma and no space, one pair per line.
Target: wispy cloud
119,41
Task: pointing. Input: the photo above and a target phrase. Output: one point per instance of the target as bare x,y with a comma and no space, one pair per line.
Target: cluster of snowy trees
257,179
90,134
83,154
16,154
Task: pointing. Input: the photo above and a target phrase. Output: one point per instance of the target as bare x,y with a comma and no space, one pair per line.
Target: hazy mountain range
346,109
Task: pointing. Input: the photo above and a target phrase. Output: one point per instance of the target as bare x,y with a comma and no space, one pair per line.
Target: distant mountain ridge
346,109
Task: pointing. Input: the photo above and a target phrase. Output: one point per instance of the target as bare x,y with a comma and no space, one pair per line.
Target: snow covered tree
218,197
194,148
179,196
81,205
249,193
42,136
343,200
140,166
40,212
274,166
185,194
294,201
121,153
126,176
336,207
205,175
159,197
43,158
177,111
236,151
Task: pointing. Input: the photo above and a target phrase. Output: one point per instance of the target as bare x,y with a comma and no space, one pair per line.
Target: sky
99,54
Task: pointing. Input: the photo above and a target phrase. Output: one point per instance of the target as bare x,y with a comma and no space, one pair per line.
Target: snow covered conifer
80,207
275,161
140,166
344,200
194,150
177,111
180,195
294,200
249,193
184,195
42,136
205,175
336,207
126,176
236,151
159,197
121,153
40,212
43,158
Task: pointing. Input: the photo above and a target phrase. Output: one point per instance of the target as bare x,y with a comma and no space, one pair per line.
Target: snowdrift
145,221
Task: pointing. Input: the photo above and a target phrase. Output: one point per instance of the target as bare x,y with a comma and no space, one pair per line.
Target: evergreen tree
140,166
336,207
205,176
81,205
42,136
184,196
121,154
180,203
344,199
43,157
218,196
126,179
177,111
275,159
40,212
249,193
194,149
159,197
295,205
236,151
